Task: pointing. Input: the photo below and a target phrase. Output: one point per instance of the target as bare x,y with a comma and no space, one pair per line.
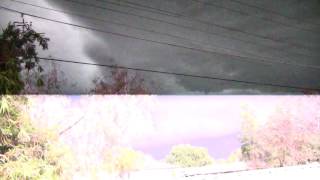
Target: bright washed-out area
159,137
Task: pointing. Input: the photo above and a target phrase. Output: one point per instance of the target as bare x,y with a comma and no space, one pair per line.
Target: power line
141,8
170,35
181,74
165,12
174,15
248,14
152,71
162,43
70,127
211,24
272,11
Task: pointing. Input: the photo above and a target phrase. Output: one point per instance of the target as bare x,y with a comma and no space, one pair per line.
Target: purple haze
218,147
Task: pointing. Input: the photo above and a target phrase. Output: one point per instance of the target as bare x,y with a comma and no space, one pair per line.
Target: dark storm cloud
112,49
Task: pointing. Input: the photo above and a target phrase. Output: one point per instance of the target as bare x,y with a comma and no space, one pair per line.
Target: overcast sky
291,37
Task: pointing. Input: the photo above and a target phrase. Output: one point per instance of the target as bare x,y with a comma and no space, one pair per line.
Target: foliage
26,152
234,156
121,83
120,160
104,122
18,44
189,156
9,125
283,140
249,127
52,81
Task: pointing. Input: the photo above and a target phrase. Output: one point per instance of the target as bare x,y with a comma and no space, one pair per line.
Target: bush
121,161
189,156
26,152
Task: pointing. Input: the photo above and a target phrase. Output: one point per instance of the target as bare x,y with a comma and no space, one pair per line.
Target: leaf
40,82
4,105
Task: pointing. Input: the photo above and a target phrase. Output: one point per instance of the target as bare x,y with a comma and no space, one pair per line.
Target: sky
213,122
154,124
293,33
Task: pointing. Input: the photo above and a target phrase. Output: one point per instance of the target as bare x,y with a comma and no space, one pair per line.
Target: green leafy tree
18,53
28,153
189,156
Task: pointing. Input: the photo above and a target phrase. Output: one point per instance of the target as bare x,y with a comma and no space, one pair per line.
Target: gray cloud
112,49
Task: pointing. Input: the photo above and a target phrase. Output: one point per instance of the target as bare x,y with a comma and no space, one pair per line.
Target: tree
18,52
25,151
120,83
248,139
234,156
122,161
189,156
284,140
52,80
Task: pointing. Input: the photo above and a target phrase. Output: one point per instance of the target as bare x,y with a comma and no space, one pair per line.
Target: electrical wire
181,16
220,26
271,11
161,43
155,71
180,74
260,59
